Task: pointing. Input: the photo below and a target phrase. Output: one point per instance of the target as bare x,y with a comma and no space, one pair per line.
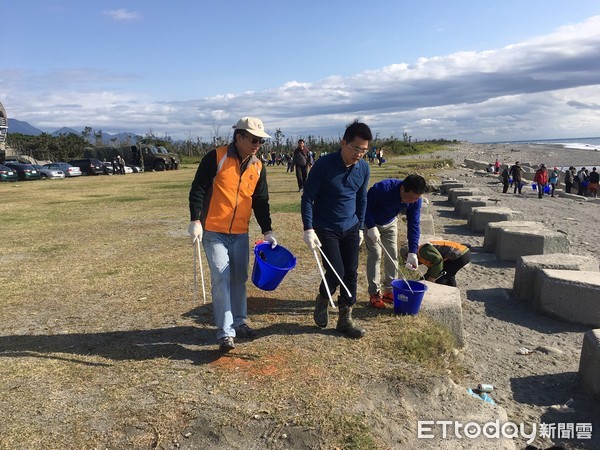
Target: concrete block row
529,267
570,295
455,193
464,205
589,363
481,216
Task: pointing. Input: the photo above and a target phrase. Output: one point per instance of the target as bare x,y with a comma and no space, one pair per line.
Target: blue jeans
341,248
228,256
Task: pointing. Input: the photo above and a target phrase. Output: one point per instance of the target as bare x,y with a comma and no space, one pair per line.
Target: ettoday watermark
448,429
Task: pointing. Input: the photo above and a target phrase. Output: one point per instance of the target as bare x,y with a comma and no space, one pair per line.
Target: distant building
3,127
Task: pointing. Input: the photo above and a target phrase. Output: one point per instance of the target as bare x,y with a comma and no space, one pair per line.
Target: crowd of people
546,181
301,160
337,209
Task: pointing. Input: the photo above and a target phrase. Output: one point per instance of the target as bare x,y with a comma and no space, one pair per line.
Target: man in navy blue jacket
385,200
333,206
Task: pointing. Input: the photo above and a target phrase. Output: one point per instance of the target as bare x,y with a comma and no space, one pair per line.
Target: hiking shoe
245,332
226,344
321,314
376,301
388,298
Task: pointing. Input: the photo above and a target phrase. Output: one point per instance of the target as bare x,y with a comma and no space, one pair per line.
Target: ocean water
588,143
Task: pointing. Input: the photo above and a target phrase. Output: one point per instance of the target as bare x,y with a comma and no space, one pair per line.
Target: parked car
8,174
69,170
49,173
108,168
25,172
89,166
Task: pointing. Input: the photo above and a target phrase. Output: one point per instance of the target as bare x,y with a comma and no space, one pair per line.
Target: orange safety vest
230,205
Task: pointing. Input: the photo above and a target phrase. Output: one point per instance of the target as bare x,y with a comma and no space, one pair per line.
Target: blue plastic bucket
546,189
271,265
405,300
533,186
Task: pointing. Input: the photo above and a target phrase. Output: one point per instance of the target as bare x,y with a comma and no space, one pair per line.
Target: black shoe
226,344
245,332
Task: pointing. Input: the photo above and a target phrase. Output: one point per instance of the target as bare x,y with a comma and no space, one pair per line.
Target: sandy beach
496,323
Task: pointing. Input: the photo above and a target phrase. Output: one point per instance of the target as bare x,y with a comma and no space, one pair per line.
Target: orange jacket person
230,183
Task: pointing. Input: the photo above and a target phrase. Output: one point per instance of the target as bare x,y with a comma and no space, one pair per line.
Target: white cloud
122,14
538,88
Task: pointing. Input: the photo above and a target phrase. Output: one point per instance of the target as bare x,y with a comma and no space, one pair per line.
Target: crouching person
443,260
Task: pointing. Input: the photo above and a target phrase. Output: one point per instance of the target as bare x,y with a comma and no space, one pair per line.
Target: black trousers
453,266
341,248
301,174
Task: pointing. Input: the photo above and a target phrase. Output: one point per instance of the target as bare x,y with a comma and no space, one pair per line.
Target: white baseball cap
252,125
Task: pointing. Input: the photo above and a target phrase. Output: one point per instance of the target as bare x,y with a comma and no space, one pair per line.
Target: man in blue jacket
385,200
333,213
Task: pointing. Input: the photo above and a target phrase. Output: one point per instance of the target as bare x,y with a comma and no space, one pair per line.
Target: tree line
67,146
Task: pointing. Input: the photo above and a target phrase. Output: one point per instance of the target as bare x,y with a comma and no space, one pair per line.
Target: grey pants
389,239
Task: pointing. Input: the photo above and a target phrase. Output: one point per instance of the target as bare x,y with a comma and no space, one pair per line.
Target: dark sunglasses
254,140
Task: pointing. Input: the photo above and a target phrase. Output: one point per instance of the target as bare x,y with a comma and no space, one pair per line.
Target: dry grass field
102,345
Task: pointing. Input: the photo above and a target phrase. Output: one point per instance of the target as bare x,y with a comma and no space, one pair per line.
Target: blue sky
467,70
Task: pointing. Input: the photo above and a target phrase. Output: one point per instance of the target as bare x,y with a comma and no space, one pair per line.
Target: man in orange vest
442,258
230,183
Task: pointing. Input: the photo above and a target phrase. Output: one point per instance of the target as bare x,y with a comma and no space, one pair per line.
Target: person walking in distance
301,163
230,184
569,177
516,172
333,208
541,178
553,179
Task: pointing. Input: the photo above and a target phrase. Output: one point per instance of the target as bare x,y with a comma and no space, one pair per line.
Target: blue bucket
546,189
271,265
533,186
405,300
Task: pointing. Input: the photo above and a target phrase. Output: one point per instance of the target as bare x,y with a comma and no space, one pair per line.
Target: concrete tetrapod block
442,303
445,187
589,363
572,196
481,216
515,242
492,230
570,295
528,267
426,224
464,205
454,193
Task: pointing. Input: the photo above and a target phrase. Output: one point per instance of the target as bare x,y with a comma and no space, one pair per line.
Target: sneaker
226,344
388,298
375,301
244,331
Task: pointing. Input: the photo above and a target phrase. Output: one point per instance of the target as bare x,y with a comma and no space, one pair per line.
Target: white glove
373,234
361,237
195,230
311,239
412,262
268,237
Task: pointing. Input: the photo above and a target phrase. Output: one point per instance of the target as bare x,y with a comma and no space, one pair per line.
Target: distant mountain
65,130
18,126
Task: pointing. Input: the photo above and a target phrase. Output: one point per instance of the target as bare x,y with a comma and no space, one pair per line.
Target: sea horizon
580,143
